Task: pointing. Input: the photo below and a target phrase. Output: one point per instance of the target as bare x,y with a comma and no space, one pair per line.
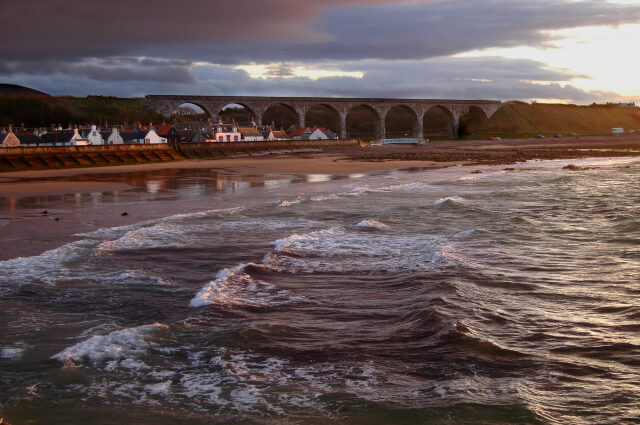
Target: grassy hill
518,118
44,111
16,90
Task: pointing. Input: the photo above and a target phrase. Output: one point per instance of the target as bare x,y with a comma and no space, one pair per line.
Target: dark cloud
422,30
461,78
32,29
134,48
109,69
287,30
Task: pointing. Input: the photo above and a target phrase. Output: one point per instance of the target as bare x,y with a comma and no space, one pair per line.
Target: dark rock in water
57,219
476,172
509,169
573,167
125,213
45,212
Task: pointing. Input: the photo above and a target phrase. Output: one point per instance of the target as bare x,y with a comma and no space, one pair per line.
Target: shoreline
349,160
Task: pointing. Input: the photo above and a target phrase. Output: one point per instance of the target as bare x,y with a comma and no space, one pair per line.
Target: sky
571,51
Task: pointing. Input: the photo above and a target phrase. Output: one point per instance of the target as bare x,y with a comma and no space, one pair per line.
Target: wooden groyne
48,157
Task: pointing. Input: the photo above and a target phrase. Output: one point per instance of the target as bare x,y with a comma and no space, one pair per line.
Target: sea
450,296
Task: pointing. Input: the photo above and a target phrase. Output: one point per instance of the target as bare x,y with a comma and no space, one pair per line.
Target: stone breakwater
48,157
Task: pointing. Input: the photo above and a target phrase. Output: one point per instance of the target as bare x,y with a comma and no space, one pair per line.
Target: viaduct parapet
257,105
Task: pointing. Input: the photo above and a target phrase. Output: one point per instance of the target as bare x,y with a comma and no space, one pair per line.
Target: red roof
297,132
163,130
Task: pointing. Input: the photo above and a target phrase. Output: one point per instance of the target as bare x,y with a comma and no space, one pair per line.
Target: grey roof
63,136
132,135
29,139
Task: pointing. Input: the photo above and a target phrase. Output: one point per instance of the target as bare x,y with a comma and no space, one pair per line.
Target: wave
14,352
338,250
47,267
450,200
116,232
117,345
372,224
464,233
288,203
234,287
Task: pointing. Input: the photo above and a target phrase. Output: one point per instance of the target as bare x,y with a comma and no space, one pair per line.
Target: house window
235,138
228,137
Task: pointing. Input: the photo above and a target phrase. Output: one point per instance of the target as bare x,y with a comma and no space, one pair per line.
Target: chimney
10,128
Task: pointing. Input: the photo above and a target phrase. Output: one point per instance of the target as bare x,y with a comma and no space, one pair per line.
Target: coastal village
153,134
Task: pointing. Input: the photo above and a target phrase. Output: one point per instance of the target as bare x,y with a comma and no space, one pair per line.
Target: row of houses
79,137
166,133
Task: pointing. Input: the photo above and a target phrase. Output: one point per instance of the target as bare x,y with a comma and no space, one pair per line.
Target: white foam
124,343
46,267
326,197
417,186
288,203
450,199
235,287
116,232
159,388
373,224
161,235
464,233
338,250
13,353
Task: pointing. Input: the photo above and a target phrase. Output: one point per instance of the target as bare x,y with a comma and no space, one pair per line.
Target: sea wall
45,157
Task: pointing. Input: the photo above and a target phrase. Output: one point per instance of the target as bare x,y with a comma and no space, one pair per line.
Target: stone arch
176,115
251,113
282,114
357,125
402,121
324,115
439,121
472,120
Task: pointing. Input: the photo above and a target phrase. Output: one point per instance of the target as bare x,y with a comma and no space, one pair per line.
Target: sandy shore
252,168
334,161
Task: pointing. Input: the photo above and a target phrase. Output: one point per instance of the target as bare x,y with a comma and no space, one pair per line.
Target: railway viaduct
257,105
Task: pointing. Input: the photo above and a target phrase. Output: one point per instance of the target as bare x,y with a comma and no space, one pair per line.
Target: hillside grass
32,111
518,118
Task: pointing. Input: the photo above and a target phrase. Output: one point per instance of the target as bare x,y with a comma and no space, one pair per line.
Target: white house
77,139
250,134
278,135
115,138
93,136
9,139
317,134
226,133
309,133
150,137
